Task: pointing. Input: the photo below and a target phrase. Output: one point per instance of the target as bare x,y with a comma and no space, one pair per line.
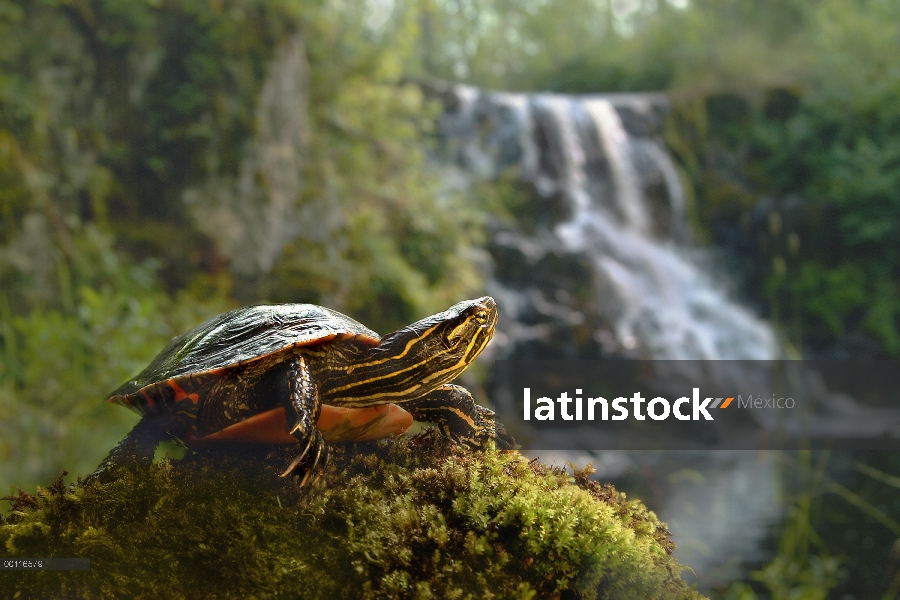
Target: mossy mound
414,518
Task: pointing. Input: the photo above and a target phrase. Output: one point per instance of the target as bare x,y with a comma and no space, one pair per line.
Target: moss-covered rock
414,518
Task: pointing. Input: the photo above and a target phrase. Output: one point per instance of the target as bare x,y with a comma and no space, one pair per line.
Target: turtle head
411,362
452,338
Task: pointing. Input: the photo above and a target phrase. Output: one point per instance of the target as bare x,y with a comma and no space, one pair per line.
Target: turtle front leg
304,404
136,447
454,411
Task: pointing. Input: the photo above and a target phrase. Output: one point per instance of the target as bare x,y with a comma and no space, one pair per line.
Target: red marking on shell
180,394
150,401
368,340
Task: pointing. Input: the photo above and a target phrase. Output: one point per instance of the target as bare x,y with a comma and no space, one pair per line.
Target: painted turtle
264,374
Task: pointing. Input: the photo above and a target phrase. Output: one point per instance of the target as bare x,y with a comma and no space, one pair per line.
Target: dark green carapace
238,373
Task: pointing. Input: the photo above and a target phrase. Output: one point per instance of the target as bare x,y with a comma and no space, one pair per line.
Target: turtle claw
320,449
452,408
490,429
503,440
299,458
321,471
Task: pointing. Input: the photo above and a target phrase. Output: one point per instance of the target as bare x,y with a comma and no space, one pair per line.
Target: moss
414,518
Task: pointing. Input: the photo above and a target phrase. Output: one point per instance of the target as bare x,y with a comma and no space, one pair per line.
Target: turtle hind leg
304,405
454,411
136,447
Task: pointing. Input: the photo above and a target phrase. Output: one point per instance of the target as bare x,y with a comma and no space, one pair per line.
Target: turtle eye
481,317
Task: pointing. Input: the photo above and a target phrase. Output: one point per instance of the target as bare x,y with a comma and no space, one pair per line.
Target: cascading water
623,211
597,264
605,269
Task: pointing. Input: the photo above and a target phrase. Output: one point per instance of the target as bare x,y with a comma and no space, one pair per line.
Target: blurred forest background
136,137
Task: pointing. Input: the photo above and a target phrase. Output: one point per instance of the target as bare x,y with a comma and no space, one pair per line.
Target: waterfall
613,199
597,263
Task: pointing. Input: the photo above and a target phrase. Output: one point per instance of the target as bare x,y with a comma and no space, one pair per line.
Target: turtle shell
239,336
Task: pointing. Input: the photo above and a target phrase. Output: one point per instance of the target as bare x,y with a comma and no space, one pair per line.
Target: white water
654,294
659,301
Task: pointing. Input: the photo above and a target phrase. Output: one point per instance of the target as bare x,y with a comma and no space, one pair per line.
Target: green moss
414,518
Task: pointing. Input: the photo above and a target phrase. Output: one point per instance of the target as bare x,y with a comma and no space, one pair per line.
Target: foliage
783,120
803,186
508,45
147,118
803,569
832,509
821,247
397,519
94,321
578,46
144,187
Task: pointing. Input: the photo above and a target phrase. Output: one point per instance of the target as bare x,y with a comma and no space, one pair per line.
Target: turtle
271,373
